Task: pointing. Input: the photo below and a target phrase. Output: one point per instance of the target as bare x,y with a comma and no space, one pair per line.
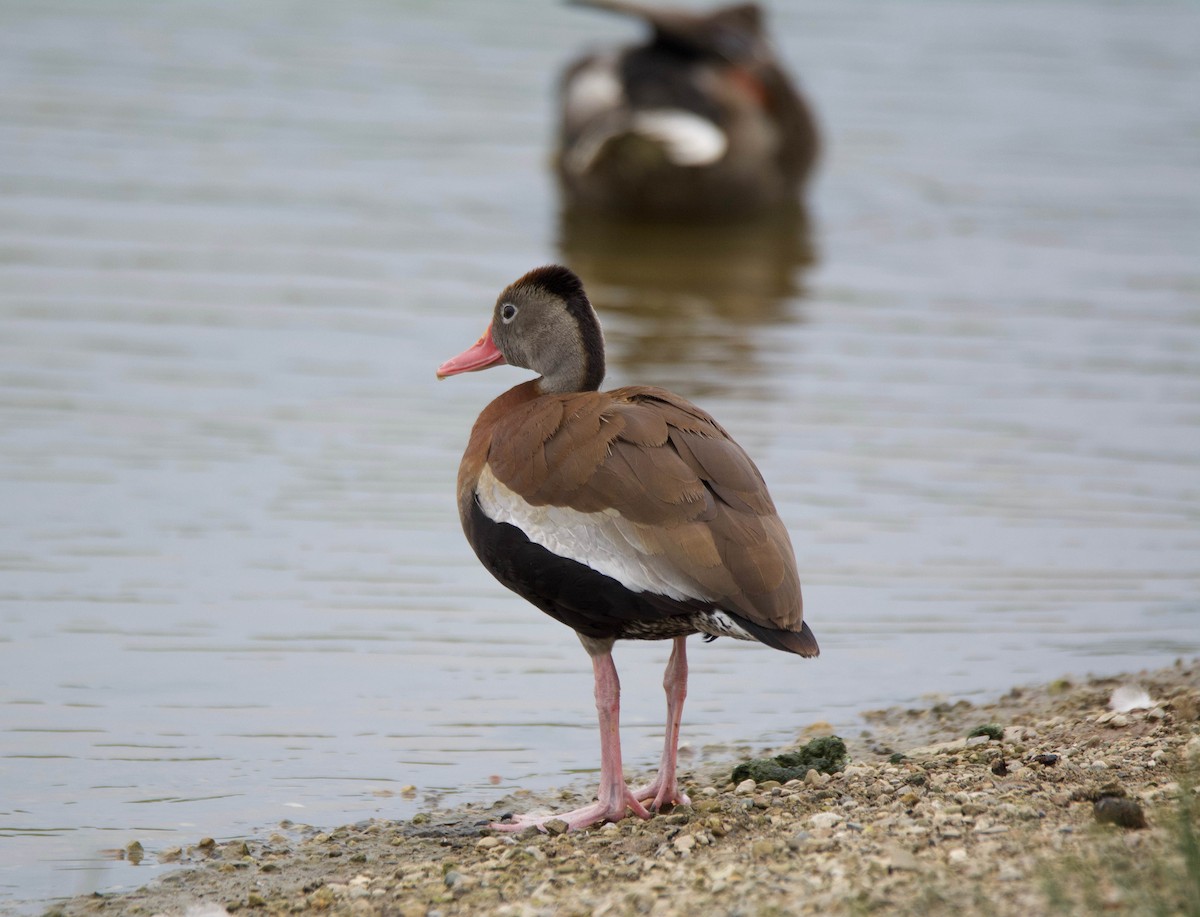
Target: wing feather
648,488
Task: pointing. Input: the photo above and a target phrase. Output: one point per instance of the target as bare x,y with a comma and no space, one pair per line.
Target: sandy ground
1063,804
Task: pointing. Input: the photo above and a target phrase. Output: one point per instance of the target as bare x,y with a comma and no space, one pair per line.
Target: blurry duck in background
699,122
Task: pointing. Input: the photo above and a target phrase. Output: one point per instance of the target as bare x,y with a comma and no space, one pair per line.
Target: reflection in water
688,288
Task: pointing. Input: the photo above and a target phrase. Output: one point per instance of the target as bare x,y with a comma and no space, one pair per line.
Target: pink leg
664,789
614,796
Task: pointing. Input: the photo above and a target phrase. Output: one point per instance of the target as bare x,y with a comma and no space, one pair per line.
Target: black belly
593,604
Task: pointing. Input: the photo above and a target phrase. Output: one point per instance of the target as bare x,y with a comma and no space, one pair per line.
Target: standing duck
628,514
699,122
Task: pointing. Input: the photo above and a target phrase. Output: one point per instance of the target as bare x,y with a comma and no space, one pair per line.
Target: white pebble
1129,697
815,778
825,819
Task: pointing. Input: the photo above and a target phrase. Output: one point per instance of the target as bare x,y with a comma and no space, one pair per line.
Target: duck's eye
508,312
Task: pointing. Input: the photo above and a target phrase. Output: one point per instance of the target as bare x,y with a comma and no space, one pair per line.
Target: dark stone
1121,811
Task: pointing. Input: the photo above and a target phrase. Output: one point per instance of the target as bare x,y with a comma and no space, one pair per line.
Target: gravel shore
1068,799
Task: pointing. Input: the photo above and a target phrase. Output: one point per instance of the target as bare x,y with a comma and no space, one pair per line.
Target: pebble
825,819
1129,697
991,829
798,840
901,860
745,788
939,748
763,848
1120,811
1191,751
321,899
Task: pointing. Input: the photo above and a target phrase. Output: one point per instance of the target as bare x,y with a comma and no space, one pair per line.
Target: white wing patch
593,90
604,541
689,139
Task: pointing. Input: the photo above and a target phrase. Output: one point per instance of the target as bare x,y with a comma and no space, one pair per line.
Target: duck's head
543,322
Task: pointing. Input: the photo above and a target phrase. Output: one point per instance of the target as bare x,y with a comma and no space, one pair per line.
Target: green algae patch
826,754
994,731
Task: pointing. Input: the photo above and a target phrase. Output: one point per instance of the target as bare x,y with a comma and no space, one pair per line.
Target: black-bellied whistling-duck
701,121
629,514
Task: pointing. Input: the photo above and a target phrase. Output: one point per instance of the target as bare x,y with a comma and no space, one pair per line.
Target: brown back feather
689,496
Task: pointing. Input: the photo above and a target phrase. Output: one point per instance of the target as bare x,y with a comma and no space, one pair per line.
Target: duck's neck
581,368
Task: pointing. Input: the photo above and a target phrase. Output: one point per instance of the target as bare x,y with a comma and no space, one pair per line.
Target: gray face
534,330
